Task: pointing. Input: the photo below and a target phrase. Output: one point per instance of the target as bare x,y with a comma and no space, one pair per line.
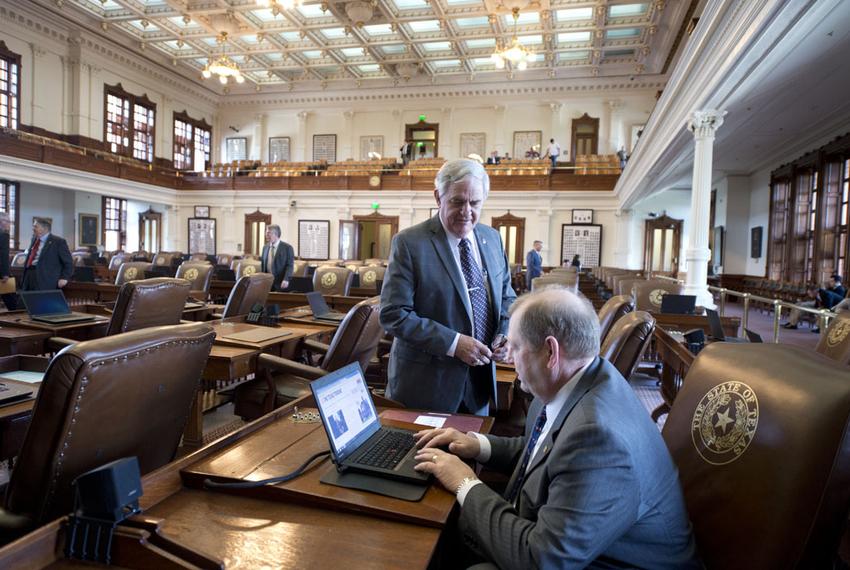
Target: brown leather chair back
836,342
148,303
759,433
94,406
163,258
198,257
623,284
248,291
648,293
131,271
370,275
331,280
356,339
247,267
224,259
611,311
299,268
79,259
376,261
115,261
198,274
20,259
627,341
609,276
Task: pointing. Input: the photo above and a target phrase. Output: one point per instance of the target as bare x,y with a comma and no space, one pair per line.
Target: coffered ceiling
353,43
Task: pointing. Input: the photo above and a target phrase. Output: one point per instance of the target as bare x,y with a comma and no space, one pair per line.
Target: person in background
621,154
533,263
553,151
278,258
818,298
576,262
49,264
9,299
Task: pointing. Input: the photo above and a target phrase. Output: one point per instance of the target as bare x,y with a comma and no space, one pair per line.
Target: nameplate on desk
259,334
426,420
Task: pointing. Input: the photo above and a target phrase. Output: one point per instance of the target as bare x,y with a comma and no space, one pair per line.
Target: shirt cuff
464,489
451,351
485,451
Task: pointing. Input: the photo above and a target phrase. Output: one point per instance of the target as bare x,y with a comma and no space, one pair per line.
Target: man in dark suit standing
9,299
533,263
278,258
445,299
592,482
49,264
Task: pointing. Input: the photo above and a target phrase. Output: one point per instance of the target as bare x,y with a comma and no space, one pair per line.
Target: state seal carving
250,270
369,277
191,274
328,280
130,273
724,423
160,260
655,296
838,331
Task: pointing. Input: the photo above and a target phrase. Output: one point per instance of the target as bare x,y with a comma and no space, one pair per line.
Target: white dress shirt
454,242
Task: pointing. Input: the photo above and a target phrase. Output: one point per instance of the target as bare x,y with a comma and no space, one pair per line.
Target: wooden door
150,231
385,227
662,238
512,230
349,239
424,138
585,136
255,232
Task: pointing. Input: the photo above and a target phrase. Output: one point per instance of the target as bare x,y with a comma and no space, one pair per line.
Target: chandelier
515,52
278,5
223,66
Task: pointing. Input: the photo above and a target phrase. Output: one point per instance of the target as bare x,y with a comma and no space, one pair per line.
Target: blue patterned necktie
477,293
529,449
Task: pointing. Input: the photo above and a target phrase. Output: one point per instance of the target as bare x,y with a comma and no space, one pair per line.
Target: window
9,205
843,265
10,87
129,125
114,223
192,143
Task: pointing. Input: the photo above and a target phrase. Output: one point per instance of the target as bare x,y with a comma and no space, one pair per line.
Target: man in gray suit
278,258
593,484
49,264
445,299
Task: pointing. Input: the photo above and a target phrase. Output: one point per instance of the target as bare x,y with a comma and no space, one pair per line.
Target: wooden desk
676,360
15,417
246,532
731,325
22,341
85,330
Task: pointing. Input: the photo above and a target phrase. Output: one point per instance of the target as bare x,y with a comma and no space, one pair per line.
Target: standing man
278,258
9,299
592,482
553,151
445,299
49,264
533,263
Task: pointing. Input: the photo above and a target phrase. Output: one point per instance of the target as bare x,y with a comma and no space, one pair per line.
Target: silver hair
274,228
560,313
456,170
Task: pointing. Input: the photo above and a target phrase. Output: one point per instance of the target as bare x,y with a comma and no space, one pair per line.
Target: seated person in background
494,158
592,480
818,299
507,156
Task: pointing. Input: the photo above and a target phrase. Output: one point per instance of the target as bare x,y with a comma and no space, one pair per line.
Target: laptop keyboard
388,450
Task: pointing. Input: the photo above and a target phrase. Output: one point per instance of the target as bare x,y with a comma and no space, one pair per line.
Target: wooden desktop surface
246,532
82,330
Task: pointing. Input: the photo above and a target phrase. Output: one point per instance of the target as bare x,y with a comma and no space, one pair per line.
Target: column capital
555,107
302,115
705,122
349,114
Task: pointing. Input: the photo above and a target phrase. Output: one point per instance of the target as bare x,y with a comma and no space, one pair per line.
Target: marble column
348,149
623,250
300,152
703,124
555,131
259,150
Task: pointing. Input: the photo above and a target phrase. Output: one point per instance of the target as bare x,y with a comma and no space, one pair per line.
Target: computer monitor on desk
678,304
300,285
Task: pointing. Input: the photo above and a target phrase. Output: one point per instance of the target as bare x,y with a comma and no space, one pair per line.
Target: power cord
210,484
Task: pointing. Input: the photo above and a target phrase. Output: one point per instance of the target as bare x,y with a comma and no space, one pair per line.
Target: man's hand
284,284
448,469
62,282
472,352
460,444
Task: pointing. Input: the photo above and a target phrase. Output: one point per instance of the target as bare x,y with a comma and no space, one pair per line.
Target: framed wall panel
279,149
202,236
324,148
88,227
582,239
525,141
314,239
473,143
371,143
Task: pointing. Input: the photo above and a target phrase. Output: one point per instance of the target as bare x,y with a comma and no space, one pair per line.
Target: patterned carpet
648,392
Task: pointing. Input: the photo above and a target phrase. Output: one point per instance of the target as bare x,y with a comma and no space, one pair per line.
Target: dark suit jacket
533,266
602,490
423,307
54,262
282,265
4,254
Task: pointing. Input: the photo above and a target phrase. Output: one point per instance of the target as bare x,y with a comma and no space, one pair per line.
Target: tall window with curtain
9,205
129,123
843,265
114,212
192,143
777,245
10,87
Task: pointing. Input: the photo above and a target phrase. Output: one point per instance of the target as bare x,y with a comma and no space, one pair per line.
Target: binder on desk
8,287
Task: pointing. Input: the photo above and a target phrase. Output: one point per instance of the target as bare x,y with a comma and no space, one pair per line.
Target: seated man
593,483
818,299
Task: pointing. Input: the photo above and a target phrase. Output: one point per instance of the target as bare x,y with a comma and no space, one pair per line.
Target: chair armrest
316,346
279,364
57,343
13,526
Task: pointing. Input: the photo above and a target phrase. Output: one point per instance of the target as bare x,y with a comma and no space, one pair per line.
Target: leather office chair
248,291
198,257
370,275
836,342
224,259
611,311
299,268
280,380
623,284
198,274
94,406
247,267
648,293
759,433
116,260
627,340
20,259
131,271
332,280
163,258
79,259
376,261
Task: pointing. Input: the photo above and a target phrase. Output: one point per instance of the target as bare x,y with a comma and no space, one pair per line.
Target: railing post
777,315
723,301
745,318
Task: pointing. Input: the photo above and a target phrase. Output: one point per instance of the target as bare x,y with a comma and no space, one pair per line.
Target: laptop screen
678,304
346,408
317,304
715,325
40,303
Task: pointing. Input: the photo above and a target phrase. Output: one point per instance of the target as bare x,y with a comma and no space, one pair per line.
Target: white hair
456,170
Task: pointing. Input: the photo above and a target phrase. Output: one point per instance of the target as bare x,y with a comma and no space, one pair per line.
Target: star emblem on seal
725,422
328,280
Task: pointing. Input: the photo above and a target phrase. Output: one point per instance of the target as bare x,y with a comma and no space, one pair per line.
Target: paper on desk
23,376
430,421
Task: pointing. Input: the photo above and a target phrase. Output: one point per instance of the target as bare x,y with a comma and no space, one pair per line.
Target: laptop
300,285
321,310
716,328
51,307
358,441
225,275
753,336
83,274
678,304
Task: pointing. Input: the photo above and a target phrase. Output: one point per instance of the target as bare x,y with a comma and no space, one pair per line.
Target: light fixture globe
359,12
515,53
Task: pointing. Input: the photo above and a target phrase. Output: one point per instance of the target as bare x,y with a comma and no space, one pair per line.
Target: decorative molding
706,122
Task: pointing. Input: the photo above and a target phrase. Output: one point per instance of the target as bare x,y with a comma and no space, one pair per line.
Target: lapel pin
484,242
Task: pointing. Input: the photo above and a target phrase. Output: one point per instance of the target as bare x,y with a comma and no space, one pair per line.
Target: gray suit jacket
602,490
423,306
54,263
282,264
